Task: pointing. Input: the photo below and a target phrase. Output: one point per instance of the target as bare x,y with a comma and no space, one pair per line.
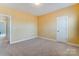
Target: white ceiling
41,9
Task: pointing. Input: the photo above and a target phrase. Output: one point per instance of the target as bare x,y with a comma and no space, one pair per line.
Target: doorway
62,28
5,29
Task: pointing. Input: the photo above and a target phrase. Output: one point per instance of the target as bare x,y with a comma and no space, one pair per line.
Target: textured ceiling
36,10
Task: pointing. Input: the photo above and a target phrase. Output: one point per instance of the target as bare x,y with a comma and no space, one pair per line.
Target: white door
62,28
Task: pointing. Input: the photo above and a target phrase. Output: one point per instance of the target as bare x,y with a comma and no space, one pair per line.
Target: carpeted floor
38,47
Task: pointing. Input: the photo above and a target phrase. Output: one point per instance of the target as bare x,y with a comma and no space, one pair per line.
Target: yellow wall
47,23
24,25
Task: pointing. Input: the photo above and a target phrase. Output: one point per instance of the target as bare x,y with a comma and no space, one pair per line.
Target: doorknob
58,31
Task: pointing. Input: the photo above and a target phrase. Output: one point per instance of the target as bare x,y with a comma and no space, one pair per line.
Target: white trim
29,38
10,29
72,44
46,38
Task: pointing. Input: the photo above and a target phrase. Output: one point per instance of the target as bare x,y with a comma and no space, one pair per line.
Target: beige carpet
39,47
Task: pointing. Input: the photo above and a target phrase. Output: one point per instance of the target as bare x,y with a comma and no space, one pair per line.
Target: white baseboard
72,44
43,38
46,38
29,38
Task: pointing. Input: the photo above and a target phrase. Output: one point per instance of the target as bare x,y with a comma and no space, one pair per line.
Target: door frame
10,25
